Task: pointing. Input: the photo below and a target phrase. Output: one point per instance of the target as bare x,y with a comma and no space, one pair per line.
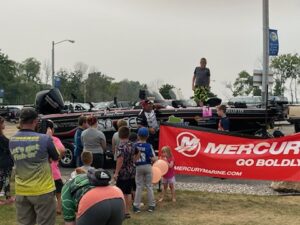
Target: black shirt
202,76
6,160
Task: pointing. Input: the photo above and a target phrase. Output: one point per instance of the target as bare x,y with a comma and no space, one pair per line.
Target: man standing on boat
201,82
147,118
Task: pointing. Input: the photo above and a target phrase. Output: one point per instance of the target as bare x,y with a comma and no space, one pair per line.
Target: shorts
58,185
169,180
127,186
111,213
39,209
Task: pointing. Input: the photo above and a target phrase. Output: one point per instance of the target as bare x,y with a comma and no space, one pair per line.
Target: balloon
162,165
156,175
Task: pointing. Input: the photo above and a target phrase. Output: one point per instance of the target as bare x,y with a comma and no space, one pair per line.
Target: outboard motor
49,102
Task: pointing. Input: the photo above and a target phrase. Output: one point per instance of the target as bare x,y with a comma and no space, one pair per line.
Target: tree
164,90
97,87
30,69
8,71
285,67
71,84
81,67
243,84
127,90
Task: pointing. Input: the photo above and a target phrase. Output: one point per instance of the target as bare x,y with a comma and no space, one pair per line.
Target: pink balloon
162,165
156,175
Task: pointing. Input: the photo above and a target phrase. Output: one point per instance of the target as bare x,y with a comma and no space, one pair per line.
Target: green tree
165,90
8,72
256,91
30,69
97,87
286,67
71,84
243,84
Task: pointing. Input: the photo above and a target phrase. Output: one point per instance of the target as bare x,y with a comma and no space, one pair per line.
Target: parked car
11,112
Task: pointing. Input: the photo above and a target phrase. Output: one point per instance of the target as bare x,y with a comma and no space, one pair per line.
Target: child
115,139
54,165
224,121
144,155
86,159
125,167
169,177
82,122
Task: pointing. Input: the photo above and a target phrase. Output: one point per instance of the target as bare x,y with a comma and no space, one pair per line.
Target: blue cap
143,132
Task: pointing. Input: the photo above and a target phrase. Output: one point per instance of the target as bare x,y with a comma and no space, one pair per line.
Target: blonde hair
87,157
121,123
167,149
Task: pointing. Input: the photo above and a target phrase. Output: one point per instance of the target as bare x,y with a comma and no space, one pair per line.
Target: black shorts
111,213
58,185
127,186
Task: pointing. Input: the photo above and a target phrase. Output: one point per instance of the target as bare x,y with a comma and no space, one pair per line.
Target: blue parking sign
57,82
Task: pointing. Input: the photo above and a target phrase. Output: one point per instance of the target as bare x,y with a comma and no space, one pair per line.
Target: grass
194,208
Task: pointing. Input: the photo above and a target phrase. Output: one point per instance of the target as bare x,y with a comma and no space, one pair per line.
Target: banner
219,154
273,42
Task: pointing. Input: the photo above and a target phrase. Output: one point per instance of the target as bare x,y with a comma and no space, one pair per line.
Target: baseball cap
28,114
146,102
143,132
98,177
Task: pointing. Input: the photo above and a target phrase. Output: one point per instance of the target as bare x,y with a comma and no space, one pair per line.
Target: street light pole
53,81
265,73
53,70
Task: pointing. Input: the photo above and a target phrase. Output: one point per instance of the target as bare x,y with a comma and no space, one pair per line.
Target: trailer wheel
68,160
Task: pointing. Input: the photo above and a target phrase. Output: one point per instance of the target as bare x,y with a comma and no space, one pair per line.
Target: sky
152,41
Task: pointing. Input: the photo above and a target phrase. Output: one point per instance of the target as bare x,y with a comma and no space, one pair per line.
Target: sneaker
136,209
151,208
127,216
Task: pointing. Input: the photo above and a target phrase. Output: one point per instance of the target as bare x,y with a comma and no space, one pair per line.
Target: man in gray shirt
201,82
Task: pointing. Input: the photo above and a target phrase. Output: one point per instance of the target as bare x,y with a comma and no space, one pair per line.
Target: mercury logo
188,144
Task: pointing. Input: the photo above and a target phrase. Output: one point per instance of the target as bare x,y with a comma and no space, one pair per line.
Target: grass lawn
194,208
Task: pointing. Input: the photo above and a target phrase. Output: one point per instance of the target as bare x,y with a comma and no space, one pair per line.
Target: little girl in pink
169,177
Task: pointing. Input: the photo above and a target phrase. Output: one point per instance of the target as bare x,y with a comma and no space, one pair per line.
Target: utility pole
53,72
265,73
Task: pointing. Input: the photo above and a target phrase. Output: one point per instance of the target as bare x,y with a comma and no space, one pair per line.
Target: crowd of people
39,188
89,196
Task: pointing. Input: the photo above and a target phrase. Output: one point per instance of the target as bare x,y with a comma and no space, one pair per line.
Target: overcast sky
148,40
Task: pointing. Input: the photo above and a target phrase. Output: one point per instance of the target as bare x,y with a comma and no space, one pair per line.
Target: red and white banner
214,154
